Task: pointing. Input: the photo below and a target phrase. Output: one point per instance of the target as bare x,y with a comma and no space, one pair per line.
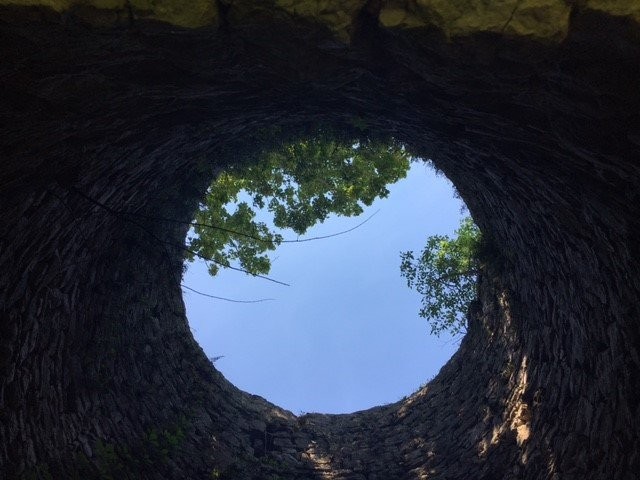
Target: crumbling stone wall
114,121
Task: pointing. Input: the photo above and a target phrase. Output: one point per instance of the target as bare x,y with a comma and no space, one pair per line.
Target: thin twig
224,298
322,237
167,255
226,265
247,235
180,246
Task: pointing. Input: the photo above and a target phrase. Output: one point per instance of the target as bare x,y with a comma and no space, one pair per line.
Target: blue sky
345,336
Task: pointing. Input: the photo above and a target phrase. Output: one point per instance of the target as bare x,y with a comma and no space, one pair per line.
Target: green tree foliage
445,274
300,184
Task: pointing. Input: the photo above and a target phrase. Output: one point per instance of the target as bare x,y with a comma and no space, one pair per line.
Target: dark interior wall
107,130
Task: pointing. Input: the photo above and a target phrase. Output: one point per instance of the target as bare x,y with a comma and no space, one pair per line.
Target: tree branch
159,240
224,298
246,235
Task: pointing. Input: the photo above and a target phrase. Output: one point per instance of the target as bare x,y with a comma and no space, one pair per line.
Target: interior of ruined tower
116,114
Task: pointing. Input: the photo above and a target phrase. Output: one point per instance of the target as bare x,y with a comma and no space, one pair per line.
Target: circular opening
345,335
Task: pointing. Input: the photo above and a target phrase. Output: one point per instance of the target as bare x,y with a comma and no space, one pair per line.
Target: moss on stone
103,4
538,19
625,8
57,5
338,15
192,14
395,16
542,19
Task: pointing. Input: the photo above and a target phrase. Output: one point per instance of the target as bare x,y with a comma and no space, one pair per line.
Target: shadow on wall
540,141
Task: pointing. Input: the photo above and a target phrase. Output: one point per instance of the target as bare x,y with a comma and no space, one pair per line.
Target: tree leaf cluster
445,274
300,184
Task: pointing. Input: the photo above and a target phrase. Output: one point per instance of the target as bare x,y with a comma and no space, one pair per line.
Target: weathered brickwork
112,126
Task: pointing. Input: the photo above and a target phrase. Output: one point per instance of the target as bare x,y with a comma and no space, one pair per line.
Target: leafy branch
299,185
445,274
